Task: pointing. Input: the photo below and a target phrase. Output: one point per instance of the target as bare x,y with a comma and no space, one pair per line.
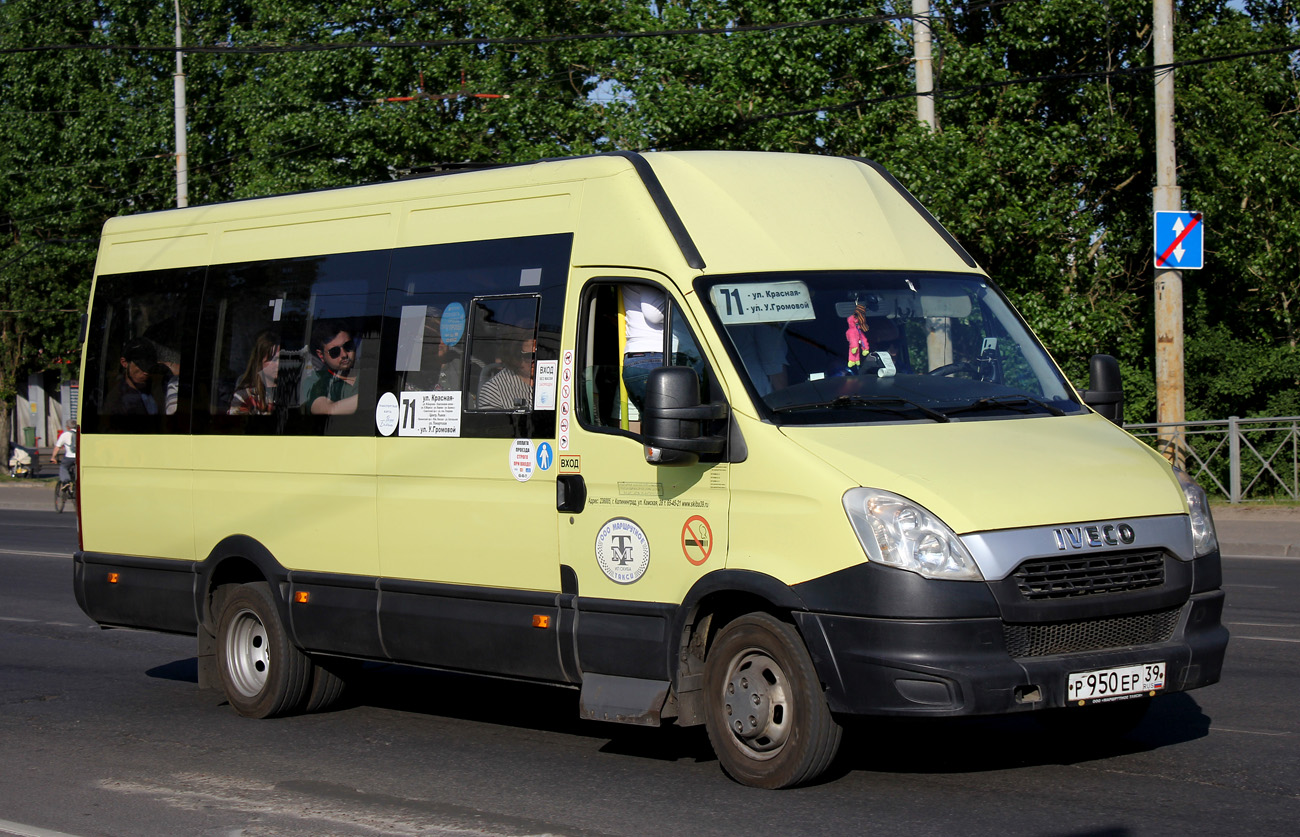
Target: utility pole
938,338
182,155
924,66
1169,283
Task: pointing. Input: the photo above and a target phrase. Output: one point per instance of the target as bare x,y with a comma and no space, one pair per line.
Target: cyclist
67,442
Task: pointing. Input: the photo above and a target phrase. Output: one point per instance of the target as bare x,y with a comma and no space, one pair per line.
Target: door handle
570,493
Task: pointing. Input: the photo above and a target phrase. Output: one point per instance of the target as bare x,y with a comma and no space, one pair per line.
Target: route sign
1180,241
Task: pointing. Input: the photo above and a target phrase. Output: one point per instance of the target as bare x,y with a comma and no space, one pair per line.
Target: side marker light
541,621
301,596
112,578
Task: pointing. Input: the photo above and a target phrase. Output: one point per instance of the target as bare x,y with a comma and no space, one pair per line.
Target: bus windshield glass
842,348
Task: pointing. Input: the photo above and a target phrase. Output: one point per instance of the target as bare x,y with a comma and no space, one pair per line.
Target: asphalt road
107,733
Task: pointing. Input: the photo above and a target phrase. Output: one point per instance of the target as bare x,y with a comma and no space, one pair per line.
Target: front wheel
262,673
765,712
60,497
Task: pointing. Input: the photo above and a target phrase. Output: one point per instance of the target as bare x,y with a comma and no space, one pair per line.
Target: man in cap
133,395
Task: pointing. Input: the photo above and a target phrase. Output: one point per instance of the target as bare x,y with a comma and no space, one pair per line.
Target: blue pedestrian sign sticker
545,456
1180,241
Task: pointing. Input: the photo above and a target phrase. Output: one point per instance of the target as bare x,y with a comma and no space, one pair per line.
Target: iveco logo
1104,534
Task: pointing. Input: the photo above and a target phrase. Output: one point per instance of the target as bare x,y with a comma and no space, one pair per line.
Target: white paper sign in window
762,302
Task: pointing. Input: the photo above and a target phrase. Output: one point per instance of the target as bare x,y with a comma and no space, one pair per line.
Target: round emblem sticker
521,459
622,551
452,325
386,414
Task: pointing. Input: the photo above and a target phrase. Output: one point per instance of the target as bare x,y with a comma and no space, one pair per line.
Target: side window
627,329
140,352
472,336
294,346
503,354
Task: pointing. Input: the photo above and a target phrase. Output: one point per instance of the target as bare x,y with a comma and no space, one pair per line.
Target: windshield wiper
884,404
1024,403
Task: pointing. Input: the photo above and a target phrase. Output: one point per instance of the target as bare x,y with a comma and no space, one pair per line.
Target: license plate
1107,684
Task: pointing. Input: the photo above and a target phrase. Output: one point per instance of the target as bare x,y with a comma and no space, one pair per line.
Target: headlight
898,533
1204,541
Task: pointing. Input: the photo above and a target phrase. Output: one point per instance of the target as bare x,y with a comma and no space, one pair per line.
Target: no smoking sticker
697,540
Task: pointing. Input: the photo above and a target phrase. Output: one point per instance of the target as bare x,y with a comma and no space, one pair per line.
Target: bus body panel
538,541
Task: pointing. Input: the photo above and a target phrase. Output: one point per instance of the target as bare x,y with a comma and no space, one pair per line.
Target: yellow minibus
741,440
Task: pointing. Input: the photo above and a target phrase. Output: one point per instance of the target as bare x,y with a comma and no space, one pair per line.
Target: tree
1042,164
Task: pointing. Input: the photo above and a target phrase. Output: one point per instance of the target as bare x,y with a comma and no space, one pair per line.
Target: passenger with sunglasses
335,390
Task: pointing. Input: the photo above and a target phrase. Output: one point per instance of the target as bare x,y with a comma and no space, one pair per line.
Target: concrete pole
182,151
924,65
1169,283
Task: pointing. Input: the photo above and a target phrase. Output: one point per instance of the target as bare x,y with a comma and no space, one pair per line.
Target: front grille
1091,635
1063,578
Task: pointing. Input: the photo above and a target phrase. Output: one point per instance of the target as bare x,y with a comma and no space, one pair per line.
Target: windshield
823,348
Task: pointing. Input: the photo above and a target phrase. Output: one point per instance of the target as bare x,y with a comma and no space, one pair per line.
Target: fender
732,582
242,548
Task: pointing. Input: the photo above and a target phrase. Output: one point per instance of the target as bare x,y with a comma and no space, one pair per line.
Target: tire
765,712
60,499
328,683
1098,722
262,673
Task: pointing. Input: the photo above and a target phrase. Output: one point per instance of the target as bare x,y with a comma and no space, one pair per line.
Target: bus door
634,536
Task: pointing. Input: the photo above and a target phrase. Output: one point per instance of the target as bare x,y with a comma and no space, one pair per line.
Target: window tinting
140,353
295,346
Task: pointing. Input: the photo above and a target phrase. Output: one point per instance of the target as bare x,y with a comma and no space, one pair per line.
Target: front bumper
949,667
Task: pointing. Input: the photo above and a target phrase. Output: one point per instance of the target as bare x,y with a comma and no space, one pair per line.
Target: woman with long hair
255,393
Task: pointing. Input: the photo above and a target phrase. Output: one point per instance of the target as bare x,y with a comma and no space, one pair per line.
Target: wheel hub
248,653
757,704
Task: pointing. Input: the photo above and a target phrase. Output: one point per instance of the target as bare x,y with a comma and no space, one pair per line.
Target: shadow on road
882,745
973,745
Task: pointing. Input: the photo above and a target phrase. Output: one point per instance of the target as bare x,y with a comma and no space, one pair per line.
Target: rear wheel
60,497
262,673
765,711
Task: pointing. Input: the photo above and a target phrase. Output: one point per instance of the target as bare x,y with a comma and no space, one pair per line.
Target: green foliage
1042,165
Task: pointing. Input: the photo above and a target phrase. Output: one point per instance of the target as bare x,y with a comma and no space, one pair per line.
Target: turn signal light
541,620
301,596
112,578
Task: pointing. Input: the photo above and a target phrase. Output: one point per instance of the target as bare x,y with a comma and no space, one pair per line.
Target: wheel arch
716,599
238,559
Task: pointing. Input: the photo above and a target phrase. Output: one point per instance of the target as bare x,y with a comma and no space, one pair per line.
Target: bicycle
63,492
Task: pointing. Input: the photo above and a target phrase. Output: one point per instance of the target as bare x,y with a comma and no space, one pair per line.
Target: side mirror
673,419
1105,392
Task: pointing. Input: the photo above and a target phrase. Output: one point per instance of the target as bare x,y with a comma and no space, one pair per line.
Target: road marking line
1248,731
1265,624
38,554
1267,638
21,830
14,619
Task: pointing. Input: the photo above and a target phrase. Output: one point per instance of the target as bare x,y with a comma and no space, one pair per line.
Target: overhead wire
213,169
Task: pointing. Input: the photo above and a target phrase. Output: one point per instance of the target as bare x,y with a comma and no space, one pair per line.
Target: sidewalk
29,494
1245,531
1259,530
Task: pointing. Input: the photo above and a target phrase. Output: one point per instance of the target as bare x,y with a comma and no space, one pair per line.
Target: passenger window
503,354
139,352
460,315
294,345
627,330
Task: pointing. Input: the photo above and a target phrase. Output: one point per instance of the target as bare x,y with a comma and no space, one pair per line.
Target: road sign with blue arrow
1180,241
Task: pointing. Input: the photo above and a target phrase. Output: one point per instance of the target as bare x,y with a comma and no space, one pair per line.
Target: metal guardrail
1238,457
